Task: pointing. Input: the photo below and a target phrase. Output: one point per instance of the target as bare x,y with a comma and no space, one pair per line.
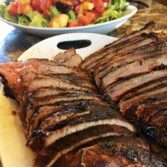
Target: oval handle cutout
77,44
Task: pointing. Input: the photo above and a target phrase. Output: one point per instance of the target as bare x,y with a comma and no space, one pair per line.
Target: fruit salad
62,13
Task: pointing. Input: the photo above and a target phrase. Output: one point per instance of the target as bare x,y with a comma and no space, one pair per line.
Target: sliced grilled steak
145,88
101,53
115,152
75,140
44,117
98,115
118,89
46,111
138,67
45,81
160,119
134,102
122,62
55,100
51,91
143,48
146,111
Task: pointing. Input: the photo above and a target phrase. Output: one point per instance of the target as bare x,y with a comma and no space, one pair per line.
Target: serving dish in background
102,28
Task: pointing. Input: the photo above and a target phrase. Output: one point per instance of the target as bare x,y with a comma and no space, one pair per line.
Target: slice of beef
120,88
137,52
123,62
146,111
68,58
50,100
44,88
77,80
46,111
138,67
48,116
145,88
160,119
13,72
147,97
99,54
119,151
98,115
71,142
50,91
39,82
143,48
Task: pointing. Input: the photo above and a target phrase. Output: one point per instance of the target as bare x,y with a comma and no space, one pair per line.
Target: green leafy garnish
53,12
114,10
119,4
72,15
24,20
37,19
110,14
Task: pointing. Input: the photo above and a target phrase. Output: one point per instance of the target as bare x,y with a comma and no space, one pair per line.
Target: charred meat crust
98,54
94,113
116,151
115,91
136,51
78,137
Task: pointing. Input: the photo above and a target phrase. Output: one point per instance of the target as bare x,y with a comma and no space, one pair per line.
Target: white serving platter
13,151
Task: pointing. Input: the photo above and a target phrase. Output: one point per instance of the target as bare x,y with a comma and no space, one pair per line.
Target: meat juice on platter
68,123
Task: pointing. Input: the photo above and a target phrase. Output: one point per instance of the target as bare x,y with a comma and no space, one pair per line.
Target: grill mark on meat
67,94
119,89
46,111
130,113
126,105
114,52
149,51
56,121
75,140
121,63
58,116
149,27
124,60
42,114
66,97
48,67
138,67
123,40
145,112
145,88
42,92
54,160
90,122
72,78
53,82
136,51
115,152
59,99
